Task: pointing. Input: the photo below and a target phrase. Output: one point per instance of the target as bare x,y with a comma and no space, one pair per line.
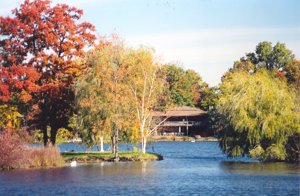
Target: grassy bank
86,157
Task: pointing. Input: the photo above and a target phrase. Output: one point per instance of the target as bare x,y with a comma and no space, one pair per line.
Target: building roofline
180,111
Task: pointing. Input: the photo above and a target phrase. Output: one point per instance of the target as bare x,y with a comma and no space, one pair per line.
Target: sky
204,35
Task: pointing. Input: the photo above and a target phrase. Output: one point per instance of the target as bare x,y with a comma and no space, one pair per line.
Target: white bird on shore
73,164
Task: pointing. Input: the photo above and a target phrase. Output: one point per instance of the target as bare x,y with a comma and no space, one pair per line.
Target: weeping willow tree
260,114
102,107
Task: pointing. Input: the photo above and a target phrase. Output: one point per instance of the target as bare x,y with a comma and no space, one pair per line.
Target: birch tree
145,85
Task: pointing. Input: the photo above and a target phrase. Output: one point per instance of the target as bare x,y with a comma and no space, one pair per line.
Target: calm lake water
188,168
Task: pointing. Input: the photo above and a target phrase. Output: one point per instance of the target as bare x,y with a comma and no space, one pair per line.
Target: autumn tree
146,86
39,44
118,92
104,109
292,73
9,117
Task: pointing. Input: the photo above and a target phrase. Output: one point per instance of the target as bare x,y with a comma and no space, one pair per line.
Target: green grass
108,156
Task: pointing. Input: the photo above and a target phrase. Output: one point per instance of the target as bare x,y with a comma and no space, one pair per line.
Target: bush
44,157
14,154
11,154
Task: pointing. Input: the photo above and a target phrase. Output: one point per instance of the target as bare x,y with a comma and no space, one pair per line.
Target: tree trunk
45,136
53,135
116,159
101,144
113,148
144,144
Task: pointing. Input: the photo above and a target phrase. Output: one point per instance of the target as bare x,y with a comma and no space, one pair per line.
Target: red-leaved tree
39,45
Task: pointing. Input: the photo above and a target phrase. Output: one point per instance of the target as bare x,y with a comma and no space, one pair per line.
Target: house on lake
182,121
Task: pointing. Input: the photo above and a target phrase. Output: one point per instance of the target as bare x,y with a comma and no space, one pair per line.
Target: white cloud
212,51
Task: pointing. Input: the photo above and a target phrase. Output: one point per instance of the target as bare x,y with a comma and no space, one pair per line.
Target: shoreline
97,157
181,139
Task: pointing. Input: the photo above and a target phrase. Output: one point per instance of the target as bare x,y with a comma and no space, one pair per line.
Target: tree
39,45
209,101
118,92
102,107
9,117
63,135
292,72
260,113
209,98
183,86
268,57
145,87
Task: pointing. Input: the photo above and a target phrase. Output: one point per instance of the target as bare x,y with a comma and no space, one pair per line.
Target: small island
95,157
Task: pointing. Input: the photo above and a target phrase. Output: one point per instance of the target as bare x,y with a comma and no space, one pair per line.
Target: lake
198,168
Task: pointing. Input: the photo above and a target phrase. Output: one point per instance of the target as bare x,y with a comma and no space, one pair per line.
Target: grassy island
88,157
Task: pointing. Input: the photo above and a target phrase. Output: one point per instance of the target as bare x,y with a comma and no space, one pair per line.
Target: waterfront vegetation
103,90
92,157
15,154
258,111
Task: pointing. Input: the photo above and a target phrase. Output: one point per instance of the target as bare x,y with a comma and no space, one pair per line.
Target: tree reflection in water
259,167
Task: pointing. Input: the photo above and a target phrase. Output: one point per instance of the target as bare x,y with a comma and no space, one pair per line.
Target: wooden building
182,121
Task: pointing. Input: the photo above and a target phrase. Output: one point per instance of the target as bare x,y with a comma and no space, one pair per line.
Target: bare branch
161,122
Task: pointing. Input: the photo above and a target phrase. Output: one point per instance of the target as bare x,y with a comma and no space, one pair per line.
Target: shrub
14,154
44,157
11,154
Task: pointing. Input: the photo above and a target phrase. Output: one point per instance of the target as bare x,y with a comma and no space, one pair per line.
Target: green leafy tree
259,112
209,98
270,57
183,86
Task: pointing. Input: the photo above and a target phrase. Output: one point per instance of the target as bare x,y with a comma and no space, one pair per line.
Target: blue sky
204,35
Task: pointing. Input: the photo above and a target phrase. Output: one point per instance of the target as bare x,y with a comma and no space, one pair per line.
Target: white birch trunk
101,144
144,144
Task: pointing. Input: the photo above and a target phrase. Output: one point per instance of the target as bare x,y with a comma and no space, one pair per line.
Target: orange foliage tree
38,49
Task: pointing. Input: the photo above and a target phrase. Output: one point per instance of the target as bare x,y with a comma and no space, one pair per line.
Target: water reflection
144,167
188,168
259,168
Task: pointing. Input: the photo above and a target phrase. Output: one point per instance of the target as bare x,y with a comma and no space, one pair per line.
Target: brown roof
181,111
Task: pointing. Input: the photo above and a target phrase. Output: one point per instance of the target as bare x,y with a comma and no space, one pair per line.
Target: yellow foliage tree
10,118
100,91
146,86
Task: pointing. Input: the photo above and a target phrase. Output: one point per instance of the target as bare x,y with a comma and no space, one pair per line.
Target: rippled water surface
197,168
